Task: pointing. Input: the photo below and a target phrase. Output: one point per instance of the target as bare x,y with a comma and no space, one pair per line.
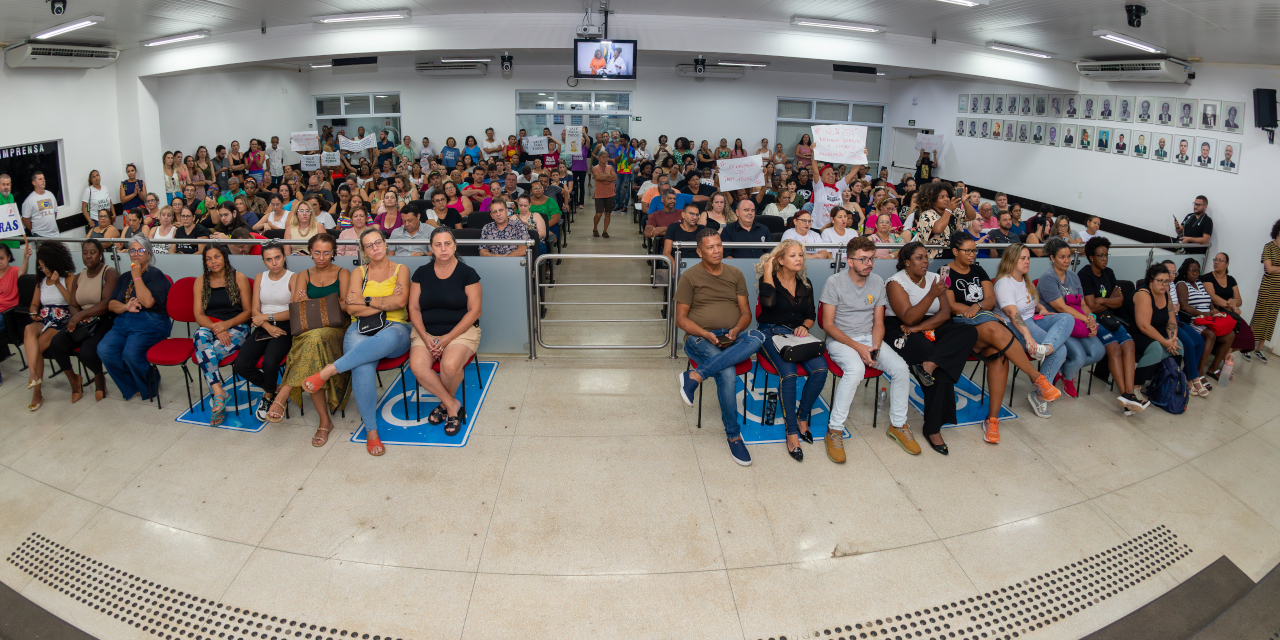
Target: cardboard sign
843,143
311,162
351,144
536,145
10,221
573,141
930,143
304,141
741,173
330,159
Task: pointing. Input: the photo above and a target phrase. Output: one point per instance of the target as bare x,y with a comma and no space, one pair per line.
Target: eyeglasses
867,260
135,252
1160,281
373,245
972,252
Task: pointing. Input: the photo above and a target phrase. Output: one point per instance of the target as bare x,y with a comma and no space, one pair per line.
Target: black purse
370,325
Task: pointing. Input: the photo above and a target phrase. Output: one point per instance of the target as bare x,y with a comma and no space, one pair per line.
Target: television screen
604,59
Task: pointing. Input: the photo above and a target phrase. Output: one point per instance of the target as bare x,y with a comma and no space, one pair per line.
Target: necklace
921,282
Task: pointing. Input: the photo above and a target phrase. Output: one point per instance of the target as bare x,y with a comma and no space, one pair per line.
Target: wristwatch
368,301
271,317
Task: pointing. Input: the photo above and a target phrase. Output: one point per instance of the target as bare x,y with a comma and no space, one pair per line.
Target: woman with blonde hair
719,214
1042,333
302,226
788,306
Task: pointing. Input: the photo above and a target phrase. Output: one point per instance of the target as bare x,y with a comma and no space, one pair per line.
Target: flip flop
372,442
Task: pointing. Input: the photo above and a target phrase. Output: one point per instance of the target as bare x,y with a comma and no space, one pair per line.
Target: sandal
453,424
321,438
219,413
373,442
437,415
31,384
275,417
313,383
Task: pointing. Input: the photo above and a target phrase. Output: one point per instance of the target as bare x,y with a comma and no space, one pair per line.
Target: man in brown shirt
713,310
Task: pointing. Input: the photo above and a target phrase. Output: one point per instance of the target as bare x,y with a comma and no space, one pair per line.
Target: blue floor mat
395,427
753,432
971,403
248,403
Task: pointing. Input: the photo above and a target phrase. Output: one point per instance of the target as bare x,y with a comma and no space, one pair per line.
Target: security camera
699,66
58,7
1135,13
506,63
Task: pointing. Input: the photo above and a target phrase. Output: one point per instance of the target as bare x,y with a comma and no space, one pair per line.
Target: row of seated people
926,325
113,320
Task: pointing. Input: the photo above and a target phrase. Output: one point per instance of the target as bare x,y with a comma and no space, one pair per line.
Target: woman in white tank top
270,340
158,233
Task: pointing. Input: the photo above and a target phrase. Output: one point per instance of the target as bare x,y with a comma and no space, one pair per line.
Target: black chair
776,237
17,318
775,224
478,220
467,234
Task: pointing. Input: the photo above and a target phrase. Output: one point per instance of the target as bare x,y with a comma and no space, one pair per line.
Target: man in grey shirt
411,230
853,317
221,167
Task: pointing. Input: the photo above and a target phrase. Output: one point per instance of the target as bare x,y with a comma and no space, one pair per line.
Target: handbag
797,349
316,313
1080,330
370,325
1109,321
1220,324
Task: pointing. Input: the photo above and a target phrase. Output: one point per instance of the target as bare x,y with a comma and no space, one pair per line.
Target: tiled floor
588,503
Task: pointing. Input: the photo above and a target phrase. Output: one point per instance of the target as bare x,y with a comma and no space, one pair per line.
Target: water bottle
1224,376
770,406
882,400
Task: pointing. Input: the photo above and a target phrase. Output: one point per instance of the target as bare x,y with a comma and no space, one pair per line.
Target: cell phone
875,355
944,272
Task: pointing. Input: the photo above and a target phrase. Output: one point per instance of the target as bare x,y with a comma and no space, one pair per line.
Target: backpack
1168,387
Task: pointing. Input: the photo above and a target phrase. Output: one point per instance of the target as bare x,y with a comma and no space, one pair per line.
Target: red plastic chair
226,362
740,369
175,352
435,366
398,362
871,373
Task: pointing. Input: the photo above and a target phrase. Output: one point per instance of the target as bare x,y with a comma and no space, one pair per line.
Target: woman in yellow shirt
376,300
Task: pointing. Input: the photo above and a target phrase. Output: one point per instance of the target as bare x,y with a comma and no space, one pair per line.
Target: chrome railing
538,301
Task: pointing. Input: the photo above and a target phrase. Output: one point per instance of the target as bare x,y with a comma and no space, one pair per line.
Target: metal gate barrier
538,301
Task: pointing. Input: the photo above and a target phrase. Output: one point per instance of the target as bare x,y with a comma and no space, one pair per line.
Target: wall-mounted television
604,59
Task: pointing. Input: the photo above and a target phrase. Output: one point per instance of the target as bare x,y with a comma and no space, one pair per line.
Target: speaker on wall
1264,108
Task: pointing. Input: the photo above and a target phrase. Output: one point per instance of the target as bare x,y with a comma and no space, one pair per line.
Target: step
21,619
1184,609
1256,615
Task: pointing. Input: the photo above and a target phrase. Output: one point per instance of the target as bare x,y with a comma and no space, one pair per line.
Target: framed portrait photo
1183,149
1185,113
984,128
1102,141
998,101
986,103
1229,156
1145,108
1024,131
962,127
1071,105
964,103
1053,133
1165,111
1057,105
1106,107
1011,104
1084,138
1161,147
997,129
1088,107
1210,115
1206,153
1070,134
1124,108
1121,142
1038,132
1232,117
1010,130
1025,104
1040,105
974,102
1140,144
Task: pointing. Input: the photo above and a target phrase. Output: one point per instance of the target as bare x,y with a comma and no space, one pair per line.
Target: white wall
1143,193
75,106
215,108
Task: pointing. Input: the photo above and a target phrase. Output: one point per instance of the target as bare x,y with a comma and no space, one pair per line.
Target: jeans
714,362
787,371
1194,343
210,351
850,362
361,354
1119,336
1081,352
623,194
1054,330
123,350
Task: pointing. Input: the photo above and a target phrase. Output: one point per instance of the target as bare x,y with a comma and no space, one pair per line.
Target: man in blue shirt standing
386,149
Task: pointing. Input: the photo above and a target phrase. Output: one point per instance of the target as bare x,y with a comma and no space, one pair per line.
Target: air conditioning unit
1167,70
710,71
451,68
27,54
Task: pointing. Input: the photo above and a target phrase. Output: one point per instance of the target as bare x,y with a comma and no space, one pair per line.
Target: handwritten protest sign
10,221
573,141
844,143
311,162
535,145
930,143
352,144
304,141
330,159
741,173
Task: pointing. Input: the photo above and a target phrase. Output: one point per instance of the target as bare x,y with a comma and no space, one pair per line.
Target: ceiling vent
710,71
1168,70
27,54
451,68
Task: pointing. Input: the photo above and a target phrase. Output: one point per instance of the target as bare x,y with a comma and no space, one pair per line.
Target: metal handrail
537,301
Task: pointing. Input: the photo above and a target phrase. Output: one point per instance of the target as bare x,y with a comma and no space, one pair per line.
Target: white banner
330,159
573,141
351,144
930,143
10,220
311,162
741,173
843,143
304,141
535,145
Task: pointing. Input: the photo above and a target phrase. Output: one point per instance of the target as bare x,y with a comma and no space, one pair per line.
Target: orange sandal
313,383
373,442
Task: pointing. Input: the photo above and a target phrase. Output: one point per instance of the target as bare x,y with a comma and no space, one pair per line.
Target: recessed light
68,26
321,66
362,17
1127,41
966,3
836,24
181,37
749,65
879,73
1013,48
466,59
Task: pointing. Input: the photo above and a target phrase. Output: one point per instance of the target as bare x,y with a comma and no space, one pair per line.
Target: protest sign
311,162
10,221
330,159
573,141
930,143
535,145
843,143
304,141
741,173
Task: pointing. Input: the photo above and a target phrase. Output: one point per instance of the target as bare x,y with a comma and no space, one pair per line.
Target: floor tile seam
715,527
145,467
489,525
1237,498
1045,459
61,426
